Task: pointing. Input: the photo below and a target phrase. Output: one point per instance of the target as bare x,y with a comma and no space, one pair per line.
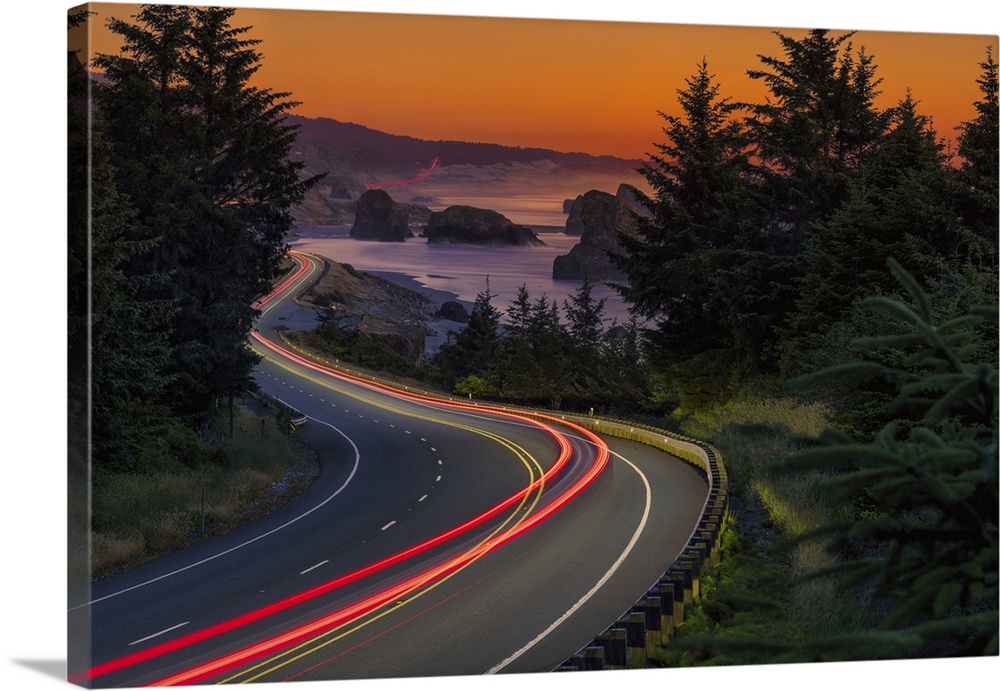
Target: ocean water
460,272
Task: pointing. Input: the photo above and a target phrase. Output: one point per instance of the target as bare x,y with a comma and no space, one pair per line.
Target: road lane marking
350,477
597,586
388,525
325,561
421,498
143,640
408,593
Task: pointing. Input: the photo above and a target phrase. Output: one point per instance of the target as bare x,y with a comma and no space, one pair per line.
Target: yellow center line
523,509
317,643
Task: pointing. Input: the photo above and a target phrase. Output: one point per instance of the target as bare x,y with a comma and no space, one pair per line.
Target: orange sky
589,86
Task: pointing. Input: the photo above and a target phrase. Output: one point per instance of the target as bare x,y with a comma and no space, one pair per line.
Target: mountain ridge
354,137
354,157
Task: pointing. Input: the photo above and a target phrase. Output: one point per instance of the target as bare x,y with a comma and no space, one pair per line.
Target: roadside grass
750,608
140,516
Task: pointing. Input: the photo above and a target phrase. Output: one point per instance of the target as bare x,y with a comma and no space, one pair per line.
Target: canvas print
408,346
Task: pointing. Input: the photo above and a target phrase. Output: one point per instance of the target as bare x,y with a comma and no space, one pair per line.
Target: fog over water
460,271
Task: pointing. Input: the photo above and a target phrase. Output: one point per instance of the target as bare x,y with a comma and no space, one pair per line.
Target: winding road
440,538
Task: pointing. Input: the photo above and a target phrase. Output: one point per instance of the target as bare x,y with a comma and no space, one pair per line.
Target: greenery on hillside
770,223
180,195
874,549
773,224
772,227
191,190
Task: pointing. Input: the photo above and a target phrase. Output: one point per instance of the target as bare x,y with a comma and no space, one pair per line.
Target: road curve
440,538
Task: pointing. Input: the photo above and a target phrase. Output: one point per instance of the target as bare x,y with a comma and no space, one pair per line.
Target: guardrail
280,407
652,621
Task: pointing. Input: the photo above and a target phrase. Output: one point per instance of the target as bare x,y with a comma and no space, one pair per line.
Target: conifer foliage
180,191
920,527
770,220
201,156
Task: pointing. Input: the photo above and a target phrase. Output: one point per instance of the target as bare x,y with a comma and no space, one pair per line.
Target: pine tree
624,373
549,346
202,156
585,317
816,131
901,206
805,132
920,500
117,343
473,350
671,260
978,145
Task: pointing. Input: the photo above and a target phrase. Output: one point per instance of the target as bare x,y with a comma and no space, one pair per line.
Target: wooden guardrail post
654,619
615,648
652,612
666,591
635,639
593,658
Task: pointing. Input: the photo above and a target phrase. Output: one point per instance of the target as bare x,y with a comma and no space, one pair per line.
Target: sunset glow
568,85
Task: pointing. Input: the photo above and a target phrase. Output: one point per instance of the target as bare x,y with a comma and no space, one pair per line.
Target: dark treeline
817,238
539,354
180,180
772,220
770,223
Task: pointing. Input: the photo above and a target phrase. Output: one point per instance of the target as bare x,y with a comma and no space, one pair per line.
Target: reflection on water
533,210
461,270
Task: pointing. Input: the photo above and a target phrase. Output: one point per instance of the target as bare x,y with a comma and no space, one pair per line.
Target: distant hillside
353,156
360,143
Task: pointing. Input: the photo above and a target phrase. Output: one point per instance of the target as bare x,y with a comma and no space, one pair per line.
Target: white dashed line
388,525
141,640
421,498
325,561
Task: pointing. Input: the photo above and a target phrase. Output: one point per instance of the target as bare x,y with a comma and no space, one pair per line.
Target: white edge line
597,586
354,470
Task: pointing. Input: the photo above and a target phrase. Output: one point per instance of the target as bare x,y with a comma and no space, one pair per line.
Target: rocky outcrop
374,306
596,217
468,225
453,311
378,217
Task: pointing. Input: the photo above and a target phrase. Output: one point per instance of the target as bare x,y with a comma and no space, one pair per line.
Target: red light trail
427,172
435,572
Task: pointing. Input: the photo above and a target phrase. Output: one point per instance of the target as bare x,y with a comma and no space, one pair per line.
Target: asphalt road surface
439,539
